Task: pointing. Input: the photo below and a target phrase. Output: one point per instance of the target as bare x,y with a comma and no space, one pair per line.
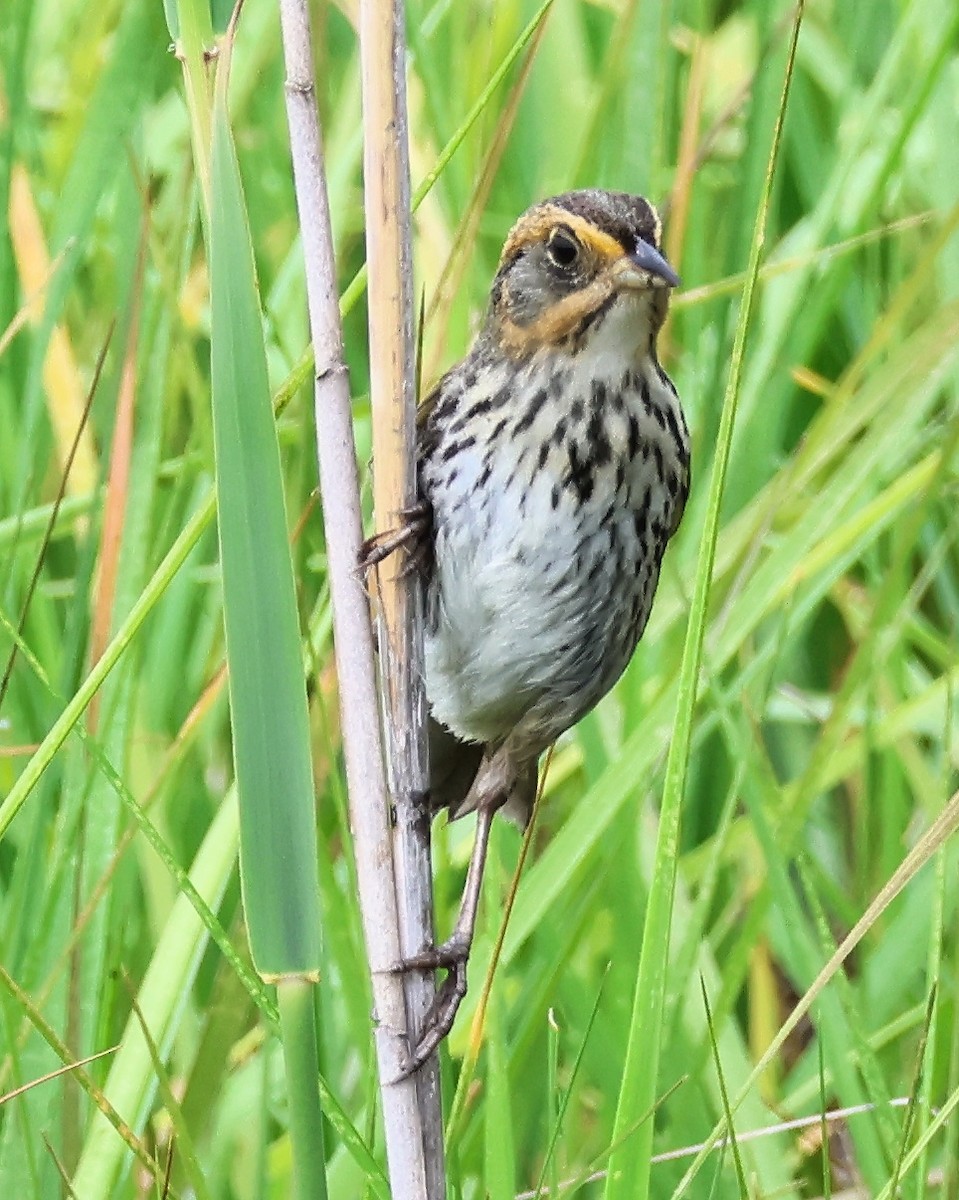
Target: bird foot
443,957
451,956
412,533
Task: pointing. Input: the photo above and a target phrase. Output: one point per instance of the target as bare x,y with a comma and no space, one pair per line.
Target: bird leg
491,789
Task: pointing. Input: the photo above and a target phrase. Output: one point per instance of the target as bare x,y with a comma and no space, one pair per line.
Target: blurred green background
827,734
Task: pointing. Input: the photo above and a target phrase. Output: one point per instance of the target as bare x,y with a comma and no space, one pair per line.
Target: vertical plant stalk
353,636
393,402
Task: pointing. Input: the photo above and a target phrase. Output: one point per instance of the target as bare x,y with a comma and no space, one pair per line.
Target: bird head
572,263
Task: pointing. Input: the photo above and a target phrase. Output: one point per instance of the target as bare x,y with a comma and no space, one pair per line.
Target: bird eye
562,248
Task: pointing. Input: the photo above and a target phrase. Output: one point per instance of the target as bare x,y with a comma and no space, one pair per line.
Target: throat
598,319
621,332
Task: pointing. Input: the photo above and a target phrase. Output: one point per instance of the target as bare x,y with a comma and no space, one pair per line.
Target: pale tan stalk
393,401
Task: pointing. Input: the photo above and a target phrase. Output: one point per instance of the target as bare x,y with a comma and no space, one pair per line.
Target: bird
553,467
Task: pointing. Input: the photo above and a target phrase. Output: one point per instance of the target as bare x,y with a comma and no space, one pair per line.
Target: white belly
538,598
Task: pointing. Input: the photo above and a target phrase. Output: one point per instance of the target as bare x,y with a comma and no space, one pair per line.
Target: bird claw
444,957
452,957
412,530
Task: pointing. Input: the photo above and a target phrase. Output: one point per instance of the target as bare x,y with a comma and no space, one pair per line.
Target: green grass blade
271,742
298,1023
718,1062
271,730
629,1166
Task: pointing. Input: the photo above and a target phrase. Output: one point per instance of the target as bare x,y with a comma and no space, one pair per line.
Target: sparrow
553,467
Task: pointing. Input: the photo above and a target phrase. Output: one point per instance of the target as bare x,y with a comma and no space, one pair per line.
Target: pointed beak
645,268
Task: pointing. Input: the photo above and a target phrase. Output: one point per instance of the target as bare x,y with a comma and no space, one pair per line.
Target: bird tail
453,769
